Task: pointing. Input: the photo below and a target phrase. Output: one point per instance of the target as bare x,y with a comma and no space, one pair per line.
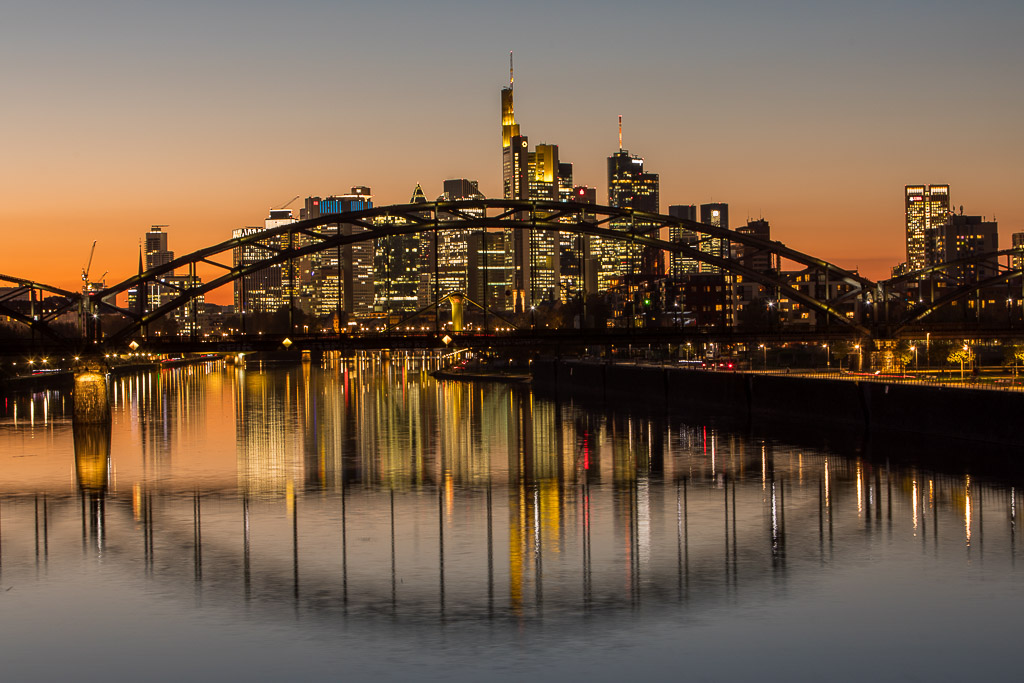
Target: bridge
837,303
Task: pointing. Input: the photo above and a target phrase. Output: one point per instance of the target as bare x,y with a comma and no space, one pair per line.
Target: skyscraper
629,187
515,185
680,265
927,207
157,254
341,279
716,214
396,266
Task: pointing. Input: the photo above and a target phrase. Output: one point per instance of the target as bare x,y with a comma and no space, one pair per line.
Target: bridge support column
458,308
91,404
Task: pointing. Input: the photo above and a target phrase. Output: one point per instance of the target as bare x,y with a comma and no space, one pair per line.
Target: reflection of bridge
844,303
621,530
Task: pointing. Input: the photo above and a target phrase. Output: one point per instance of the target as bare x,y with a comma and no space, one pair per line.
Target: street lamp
828,355
764,350
860,358
914,349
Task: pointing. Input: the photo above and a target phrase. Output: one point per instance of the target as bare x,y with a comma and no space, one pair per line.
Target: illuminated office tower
1017,259
341,279
716,214
396,266
544,184
514,153
963,237
629,187
927,207
680,265
444,254
157,254
488,273
577,269
515,185
260,291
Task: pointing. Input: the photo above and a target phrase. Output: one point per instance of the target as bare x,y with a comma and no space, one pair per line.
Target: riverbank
878,406
65,379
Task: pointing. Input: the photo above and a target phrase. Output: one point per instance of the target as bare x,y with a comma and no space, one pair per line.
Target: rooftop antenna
511,78
620,132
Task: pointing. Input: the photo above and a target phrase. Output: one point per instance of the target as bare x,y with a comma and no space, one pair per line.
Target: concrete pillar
458,305
90,394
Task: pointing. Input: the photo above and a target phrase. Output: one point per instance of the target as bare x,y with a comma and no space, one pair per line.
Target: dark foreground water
362,521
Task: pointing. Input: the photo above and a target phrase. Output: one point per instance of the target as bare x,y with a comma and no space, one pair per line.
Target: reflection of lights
827,504
860,490
764,467
967,511
915,507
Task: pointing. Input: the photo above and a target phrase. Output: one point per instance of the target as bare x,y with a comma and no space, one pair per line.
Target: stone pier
91,402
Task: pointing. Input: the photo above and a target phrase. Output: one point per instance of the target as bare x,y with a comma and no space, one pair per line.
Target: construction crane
286,204
88,264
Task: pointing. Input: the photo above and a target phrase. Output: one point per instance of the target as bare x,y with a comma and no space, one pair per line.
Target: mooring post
91,403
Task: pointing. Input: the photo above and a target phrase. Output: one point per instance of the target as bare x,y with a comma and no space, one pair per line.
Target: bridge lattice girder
19,287
635,227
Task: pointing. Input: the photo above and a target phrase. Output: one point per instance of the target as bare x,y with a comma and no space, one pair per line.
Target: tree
962,354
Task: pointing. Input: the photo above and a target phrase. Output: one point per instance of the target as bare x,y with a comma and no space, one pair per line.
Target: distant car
718,364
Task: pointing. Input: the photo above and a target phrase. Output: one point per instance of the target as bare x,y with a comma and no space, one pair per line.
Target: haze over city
123,115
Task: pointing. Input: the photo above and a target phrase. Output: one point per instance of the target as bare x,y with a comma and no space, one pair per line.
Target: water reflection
365,487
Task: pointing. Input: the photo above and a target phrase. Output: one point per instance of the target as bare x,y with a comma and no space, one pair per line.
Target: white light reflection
915,507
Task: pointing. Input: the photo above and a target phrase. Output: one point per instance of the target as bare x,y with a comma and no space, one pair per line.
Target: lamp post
860,358
914,349
764,350
828,356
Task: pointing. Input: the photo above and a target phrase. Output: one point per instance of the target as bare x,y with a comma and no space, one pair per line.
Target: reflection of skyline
363,469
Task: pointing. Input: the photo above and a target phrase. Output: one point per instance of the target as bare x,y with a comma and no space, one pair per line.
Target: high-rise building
680,265
396,266
716,214
1017,260
444,254
157,254
629,187
340,279
927,207
961,237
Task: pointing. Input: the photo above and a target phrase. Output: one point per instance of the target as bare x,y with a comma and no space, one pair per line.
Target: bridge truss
288,243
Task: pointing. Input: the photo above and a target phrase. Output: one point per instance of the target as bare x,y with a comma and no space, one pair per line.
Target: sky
201,116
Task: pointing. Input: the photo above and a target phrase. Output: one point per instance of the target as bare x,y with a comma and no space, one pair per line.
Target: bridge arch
640,229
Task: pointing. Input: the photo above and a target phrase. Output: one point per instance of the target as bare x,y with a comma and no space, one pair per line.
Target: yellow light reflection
967,511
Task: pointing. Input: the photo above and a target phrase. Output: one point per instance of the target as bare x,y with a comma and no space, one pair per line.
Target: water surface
363,521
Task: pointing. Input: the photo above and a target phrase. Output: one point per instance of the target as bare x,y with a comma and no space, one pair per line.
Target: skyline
114,134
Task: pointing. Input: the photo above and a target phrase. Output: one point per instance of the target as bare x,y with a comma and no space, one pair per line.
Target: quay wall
877,406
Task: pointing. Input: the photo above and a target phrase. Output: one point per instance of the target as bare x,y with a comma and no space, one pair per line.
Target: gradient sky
813,115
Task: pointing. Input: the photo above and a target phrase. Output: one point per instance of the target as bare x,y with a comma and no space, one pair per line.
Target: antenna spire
511,79
620,132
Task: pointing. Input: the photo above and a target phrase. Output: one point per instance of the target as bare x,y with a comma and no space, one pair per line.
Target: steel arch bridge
292,241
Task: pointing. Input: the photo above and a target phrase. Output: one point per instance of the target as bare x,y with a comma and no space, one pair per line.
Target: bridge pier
91,403
458,307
